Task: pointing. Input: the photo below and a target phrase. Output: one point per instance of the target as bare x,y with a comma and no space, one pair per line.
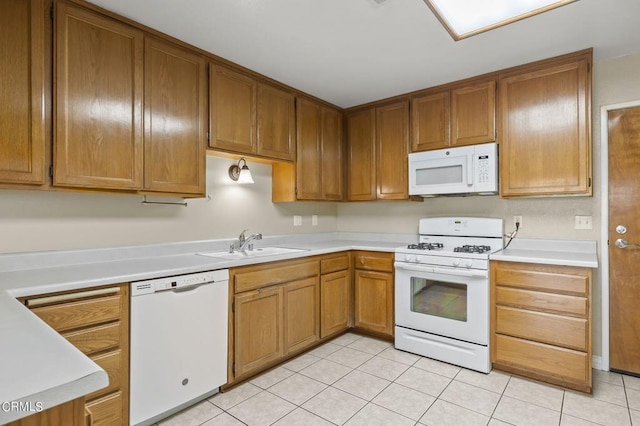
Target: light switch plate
297,220
314,220
583,222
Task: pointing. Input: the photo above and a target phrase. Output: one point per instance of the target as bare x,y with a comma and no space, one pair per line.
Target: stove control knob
418,259
468,263
410,258
456,262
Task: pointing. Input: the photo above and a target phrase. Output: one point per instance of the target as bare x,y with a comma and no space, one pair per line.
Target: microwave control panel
485,167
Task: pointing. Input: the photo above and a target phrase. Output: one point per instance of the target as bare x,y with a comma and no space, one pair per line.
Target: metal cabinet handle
624,244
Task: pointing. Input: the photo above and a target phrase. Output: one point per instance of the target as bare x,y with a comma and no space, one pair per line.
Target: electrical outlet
517,219
297,220
583,222
314,220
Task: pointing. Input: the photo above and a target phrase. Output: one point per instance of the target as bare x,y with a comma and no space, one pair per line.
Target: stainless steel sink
249,254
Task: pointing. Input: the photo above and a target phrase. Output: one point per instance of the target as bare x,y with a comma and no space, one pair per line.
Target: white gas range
442,290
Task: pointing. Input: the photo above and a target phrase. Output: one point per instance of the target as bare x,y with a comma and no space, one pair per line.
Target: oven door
445,301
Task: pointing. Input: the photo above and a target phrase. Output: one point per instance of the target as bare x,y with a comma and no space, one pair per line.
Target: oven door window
438,298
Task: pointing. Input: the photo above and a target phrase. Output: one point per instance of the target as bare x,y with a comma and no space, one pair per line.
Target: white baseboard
596,362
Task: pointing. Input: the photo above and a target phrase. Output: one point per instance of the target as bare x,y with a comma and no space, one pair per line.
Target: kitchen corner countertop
40,366
37,365
550,252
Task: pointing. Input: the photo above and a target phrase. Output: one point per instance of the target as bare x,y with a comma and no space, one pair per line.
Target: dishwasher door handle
187,289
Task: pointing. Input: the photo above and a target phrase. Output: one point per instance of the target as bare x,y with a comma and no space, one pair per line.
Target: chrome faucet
242,242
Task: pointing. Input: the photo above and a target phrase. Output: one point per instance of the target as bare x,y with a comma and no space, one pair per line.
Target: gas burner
472,249
426,246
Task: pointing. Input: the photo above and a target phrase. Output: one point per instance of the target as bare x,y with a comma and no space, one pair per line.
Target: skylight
464,18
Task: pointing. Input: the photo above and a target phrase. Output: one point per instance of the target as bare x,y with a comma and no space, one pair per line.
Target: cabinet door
374,301
473,114
22,128
332,155
392,139
309,155
259,337
361,157
301,314
545,146
99,90
335,302
175,119
276,123
232,110
430,119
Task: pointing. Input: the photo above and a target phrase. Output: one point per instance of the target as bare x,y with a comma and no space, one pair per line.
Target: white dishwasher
178,342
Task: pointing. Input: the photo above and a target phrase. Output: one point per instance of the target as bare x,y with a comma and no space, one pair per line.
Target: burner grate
477,249
426,246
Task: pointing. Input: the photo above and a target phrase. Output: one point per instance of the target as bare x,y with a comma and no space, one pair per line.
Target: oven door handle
444,271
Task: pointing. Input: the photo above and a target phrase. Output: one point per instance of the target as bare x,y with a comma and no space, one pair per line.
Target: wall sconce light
240,174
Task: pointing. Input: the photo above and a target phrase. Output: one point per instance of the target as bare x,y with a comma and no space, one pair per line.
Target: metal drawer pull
71,296
620,243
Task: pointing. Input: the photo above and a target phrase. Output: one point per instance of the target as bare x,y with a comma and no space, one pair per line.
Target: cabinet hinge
296,190
233,368
208,137
51,12
51,170
233,307
589,182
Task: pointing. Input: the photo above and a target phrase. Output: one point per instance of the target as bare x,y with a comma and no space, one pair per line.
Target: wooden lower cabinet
275,313
336,313
96,321
373,291
541,322
259,334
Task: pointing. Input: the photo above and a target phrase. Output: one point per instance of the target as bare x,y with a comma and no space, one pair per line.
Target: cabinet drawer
95,339
551,278
107,411
374,261
550,302
554,329
111,363
67,316
264,277
542,359
334,264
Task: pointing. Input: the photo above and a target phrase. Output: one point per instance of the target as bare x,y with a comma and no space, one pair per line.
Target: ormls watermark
23,406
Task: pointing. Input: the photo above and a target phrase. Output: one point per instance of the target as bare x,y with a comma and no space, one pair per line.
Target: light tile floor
357,380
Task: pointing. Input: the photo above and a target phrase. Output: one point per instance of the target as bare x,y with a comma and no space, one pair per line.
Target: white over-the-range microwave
464,170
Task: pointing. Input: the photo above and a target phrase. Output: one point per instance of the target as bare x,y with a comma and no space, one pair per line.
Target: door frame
604,231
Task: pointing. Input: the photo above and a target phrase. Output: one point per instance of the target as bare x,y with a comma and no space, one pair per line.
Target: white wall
38,220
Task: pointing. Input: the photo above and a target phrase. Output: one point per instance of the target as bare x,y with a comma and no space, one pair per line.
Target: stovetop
447,241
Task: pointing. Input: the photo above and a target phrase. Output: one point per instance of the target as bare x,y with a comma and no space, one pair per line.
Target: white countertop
550,252
39,365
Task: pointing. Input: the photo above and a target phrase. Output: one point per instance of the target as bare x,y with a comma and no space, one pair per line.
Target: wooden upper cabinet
332,165
392,140
276,121
430,118
545,129
309,156
175,119
361,156
473,113
461,115
319,168
22,94
232,110
98,136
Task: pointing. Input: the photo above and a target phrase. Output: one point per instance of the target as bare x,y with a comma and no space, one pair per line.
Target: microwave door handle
470,169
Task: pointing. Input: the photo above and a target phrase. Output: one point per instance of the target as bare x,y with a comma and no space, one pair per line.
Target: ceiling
349,52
